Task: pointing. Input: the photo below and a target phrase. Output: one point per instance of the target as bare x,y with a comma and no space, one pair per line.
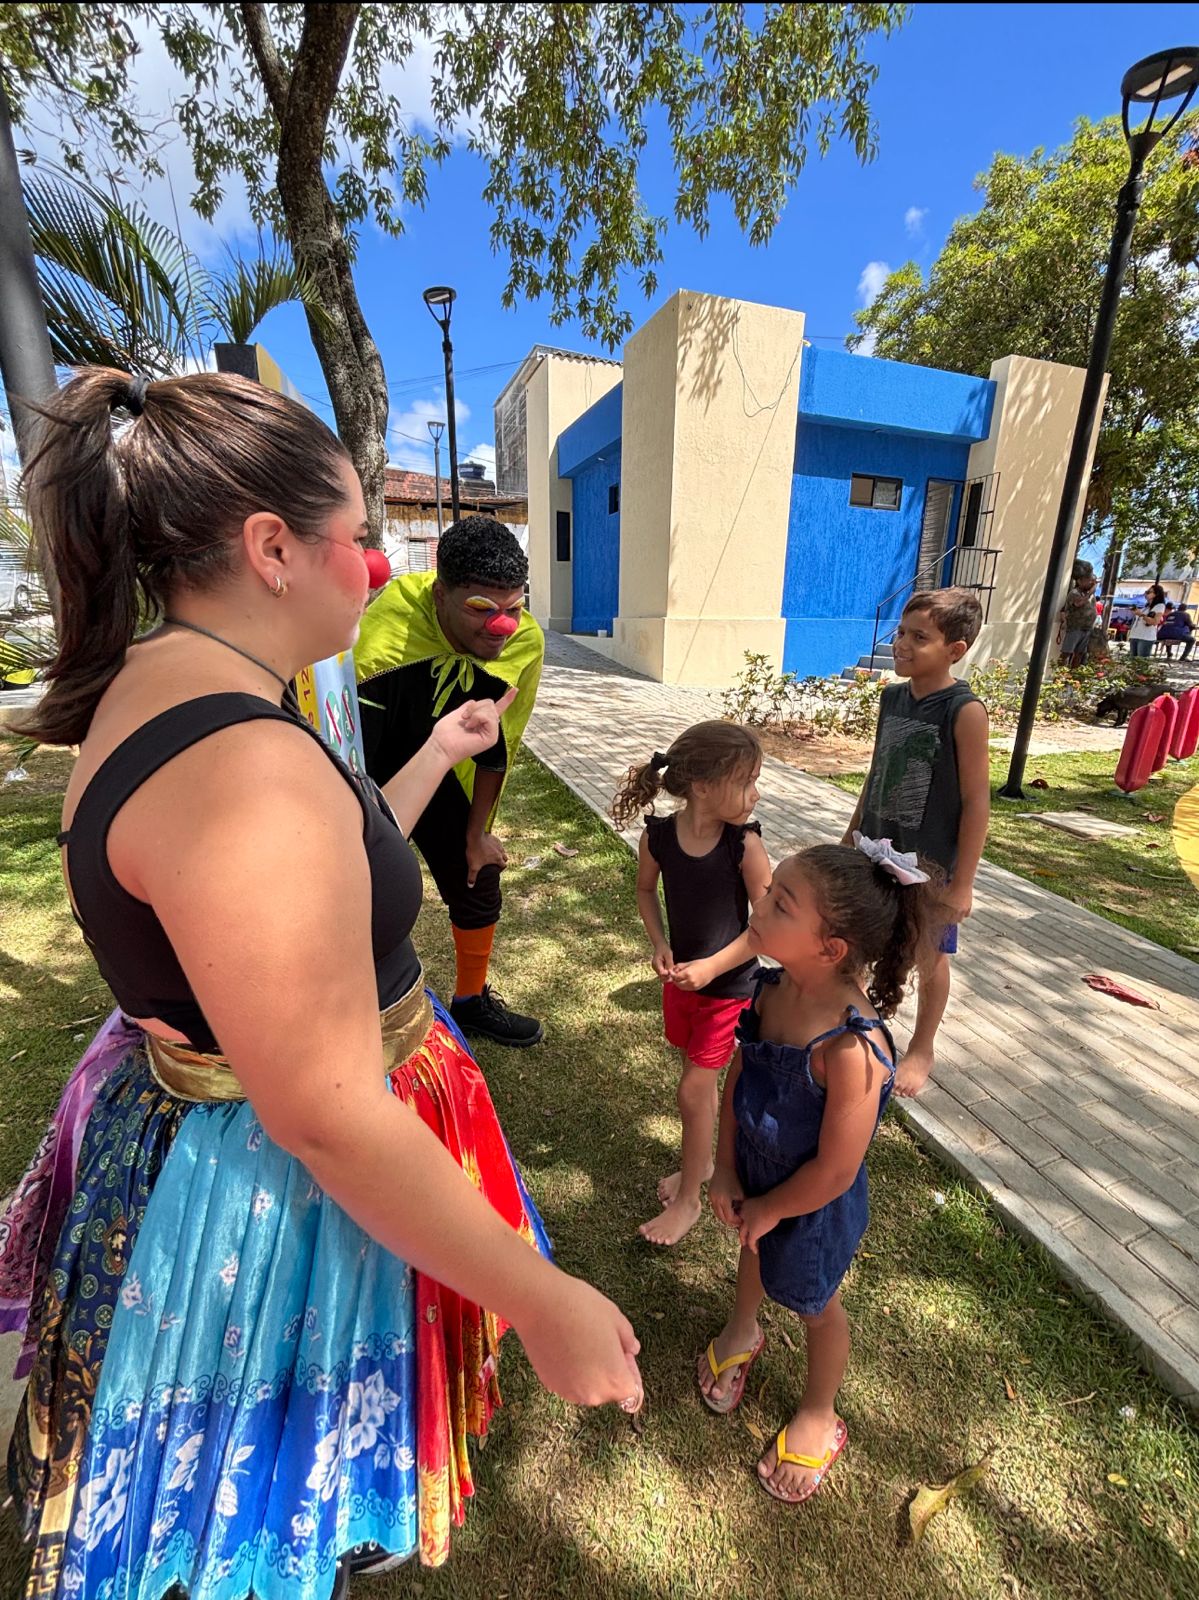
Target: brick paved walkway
1076,1114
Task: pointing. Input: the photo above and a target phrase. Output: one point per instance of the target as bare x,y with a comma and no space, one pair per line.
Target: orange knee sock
473,947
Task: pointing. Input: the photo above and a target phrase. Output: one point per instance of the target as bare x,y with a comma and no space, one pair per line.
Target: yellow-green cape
401,628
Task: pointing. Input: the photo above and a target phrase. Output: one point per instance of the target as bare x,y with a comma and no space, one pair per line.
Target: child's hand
663,961
757,1218
726,1197
693,975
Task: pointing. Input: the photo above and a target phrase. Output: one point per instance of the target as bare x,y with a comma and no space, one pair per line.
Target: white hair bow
901,864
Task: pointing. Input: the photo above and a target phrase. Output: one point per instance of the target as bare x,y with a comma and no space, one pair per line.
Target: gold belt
203,1077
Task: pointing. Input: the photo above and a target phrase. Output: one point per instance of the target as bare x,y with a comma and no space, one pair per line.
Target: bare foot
728,1342
678,1219
913,1072
809,1433
668,1188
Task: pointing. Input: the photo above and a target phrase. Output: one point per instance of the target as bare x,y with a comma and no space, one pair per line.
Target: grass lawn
1135,880
964,1340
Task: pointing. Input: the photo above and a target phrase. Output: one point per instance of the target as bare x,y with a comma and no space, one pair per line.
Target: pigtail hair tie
658,761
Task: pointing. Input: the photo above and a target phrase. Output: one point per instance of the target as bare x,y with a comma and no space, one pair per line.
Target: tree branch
266,57
320,58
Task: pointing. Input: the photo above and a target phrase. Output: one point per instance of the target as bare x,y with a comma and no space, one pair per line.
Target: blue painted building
734,489
881,451
589,455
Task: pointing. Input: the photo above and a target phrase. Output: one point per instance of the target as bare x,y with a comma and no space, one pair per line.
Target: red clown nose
378,568
501,625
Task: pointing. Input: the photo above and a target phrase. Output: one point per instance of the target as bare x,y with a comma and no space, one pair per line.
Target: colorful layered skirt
230,1383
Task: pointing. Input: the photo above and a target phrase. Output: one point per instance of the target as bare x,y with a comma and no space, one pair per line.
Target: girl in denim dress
803,1098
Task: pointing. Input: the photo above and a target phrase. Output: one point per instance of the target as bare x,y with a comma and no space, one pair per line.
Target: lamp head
1165,76
436,429
440,300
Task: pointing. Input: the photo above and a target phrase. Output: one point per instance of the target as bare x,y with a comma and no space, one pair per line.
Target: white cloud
913,221
411,446
866,347
874,275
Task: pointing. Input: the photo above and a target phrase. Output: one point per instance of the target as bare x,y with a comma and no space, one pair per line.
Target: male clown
429,642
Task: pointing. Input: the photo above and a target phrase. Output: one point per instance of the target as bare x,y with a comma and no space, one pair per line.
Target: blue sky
957,84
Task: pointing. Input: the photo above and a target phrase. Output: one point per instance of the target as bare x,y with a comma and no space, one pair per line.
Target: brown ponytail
126,512
705,753
887,925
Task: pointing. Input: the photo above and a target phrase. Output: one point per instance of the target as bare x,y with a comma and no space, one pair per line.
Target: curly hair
705,753
887,925
483,551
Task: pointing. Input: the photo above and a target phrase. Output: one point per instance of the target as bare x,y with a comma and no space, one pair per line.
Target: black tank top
707,903
128,941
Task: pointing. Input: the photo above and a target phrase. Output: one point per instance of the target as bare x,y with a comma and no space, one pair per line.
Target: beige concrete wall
558,392
1036,406
708,442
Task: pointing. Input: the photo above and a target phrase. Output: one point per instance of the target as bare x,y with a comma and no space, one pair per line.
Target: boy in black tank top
929,786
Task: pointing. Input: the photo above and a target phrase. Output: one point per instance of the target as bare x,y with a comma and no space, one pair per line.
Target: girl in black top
268,1309
713,867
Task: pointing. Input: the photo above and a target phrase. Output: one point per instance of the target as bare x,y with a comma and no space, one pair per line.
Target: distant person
1146,618
929,786
1177,627
713,867
1080,620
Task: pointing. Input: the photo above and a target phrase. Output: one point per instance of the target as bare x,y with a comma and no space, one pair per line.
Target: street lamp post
437,429
1168,75
440,301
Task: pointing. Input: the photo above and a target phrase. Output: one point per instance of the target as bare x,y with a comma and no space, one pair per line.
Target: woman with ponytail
269,1246
803,1098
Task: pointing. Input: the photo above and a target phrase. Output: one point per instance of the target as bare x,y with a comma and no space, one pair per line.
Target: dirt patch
817,753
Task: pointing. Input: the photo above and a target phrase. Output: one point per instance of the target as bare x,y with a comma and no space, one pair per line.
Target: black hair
483,551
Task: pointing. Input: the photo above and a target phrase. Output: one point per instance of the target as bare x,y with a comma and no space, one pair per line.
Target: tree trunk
348,355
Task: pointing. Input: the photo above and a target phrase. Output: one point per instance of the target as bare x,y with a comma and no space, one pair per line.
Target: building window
880,494
613,499
563,534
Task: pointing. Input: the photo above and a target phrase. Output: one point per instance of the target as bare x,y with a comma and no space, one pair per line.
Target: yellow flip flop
731,1399
818,1466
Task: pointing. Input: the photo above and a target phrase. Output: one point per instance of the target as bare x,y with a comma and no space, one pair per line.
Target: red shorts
702,1026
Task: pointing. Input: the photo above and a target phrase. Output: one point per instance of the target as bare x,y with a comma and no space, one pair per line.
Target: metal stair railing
978,558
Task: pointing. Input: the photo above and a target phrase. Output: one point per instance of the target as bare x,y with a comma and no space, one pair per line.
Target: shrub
764,698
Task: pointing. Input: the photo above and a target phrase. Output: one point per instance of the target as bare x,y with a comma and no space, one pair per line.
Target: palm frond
120,288
238,300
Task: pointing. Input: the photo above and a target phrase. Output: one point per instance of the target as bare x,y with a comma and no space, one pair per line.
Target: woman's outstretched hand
471,729
582,1347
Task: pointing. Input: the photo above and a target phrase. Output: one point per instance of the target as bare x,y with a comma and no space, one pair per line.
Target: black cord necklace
194,627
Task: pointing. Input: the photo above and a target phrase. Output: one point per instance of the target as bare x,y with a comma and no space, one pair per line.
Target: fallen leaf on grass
533,861
783,1335
1155,816
564,850
1038,783
1009,1388
929,1500
1151,847
1082,1399
1119,1481
752,1428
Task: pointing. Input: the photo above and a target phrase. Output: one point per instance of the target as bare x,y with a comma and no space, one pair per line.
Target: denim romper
779,1108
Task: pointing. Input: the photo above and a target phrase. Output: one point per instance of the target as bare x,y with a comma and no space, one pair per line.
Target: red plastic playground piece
1141,743
1186,726
1170,712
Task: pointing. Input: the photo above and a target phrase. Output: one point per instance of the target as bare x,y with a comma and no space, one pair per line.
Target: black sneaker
487,1016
